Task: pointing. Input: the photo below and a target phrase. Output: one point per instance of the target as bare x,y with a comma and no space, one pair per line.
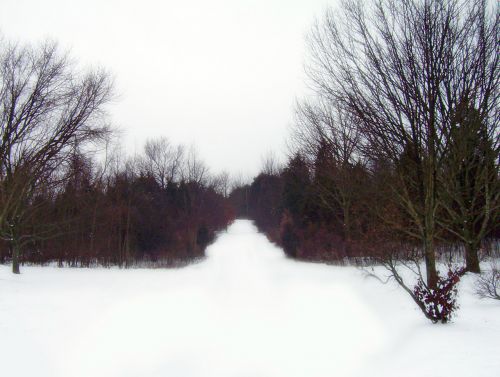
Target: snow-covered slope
245,311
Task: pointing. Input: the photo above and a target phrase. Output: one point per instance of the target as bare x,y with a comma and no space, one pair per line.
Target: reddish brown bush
439,304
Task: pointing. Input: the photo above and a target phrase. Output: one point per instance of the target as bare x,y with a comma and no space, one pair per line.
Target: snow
245,311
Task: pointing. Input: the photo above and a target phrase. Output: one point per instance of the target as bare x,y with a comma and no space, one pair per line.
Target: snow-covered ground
246,311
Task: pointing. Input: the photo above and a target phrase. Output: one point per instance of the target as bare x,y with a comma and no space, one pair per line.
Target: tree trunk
15,258
429,232
347,230
430,263
472,258
126,255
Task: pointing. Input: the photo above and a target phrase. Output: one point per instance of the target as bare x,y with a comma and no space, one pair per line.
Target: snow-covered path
244,311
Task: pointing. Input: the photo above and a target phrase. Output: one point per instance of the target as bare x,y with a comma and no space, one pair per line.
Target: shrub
439,304
488,284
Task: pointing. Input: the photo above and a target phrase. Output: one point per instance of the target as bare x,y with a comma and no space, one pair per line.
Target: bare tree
194,170
163,160
401,68
46,110
239,180
270,164
488,284
470,183
326,123
221,183
326,134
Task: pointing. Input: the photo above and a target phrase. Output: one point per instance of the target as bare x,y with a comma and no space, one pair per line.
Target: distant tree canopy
124,216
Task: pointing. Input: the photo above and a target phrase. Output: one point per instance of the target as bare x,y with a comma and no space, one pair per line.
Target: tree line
395,156
62,203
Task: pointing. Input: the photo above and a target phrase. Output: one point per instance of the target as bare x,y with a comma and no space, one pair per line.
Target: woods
61,203
393,159
396,157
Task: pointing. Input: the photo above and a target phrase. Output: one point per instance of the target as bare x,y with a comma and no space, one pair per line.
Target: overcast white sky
220,74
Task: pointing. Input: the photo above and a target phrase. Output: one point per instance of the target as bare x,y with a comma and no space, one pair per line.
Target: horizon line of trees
158,209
